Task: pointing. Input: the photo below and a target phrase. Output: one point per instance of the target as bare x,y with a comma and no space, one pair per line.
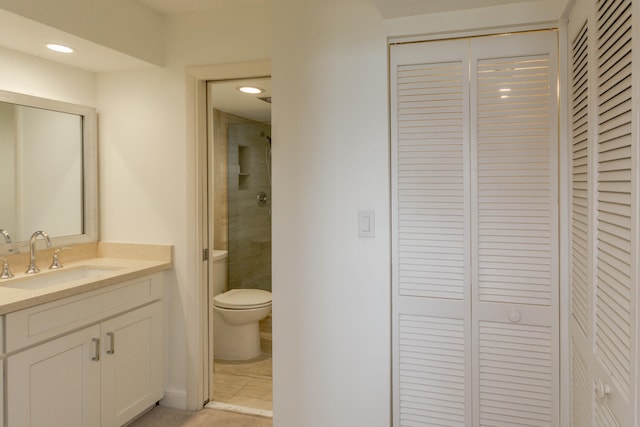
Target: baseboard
174,398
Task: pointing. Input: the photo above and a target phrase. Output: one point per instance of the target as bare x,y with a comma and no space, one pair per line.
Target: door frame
199,335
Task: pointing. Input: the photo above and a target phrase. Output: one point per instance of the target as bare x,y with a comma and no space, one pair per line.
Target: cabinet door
56,384
132,364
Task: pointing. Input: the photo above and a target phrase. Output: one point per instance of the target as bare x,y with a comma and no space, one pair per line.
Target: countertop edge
98,283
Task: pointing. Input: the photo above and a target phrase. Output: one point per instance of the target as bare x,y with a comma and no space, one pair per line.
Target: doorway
239,223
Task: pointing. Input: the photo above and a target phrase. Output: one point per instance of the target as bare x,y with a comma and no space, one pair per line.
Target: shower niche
243,166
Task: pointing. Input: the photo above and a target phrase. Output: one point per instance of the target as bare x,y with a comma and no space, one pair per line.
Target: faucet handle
6,271
55,262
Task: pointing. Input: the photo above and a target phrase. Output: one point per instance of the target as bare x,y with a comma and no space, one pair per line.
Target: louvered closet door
615,285
474,190
430,170
604,220
515,225
581,270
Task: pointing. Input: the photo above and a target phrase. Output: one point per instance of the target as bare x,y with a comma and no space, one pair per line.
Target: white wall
440,25
331,289
147,179
35,76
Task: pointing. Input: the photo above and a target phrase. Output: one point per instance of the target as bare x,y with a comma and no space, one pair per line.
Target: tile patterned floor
246,384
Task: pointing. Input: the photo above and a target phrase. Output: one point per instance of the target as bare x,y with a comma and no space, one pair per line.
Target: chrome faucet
33,268
7,238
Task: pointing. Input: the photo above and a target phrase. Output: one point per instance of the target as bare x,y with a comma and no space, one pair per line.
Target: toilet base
235,342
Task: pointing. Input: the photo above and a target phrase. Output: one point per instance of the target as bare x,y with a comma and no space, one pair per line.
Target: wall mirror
48,171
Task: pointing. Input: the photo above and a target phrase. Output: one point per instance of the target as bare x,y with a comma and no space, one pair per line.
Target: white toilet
236,320
236,315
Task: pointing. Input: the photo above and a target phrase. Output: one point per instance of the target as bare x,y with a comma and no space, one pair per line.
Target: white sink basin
49,278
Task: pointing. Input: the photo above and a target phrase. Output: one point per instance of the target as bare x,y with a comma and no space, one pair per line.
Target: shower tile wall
243,228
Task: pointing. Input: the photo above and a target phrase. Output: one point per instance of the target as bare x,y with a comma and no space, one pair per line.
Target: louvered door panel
581,283
515,214
430,209
514,365
431,180
615,290
606,417
581,390
431,371
581,294
515,194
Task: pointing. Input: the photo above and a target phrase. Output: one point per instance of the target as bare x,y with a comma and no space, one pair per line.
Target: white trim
483,32
564,226
239,409
635,207
194,398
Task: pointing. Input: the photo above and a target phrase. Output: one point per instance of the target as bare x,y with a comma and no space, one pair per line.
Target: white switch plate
366,223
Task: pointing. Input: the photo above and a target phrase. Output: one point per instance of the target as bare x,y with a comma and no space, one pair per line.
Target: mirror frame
89,168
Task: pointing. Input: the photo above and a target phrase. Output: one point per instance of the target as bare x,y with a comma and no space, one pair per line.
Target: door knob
514,315
602,389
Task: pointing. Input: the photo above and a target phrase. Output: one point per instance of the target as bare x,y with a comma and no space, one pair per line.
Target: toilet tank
219,273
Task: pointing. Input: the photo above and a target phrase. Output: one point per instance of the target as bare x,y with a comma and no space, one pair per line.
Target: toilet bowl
237,315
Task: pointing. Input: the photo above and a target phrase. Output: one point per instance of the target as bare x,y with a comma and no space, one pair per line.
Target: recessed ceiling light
60,48
250,89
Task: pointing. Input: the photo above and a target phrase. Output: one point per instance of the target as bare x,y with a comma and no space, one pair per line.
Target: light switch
366,223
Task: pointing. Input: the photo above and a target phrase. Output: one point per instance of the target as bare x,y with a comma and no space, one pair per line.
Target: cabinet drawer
35,324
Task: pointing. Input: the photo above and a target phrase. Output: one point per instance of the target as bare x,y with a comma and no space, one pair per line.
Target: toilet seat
238,299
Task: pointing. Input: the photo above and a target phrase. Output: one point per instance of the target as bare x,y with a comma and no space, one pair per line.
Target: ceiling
177,7
226,97
400,8
388,8
28,36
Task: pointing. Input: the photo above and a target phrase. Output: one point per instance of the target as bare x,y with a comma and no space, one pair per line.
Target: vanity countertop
113,266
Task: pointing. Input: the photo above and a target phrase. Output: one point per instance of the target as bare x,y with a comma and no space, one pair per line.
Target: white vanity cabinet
132,364
56,383
94,359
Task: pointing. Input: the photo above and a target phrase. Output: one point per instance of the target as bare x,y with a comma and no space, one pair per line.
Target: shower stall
243,201
249,206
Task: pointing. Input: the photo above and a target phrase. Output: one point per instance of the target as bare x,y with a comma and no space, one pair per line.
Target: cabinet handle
96,349
112,346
